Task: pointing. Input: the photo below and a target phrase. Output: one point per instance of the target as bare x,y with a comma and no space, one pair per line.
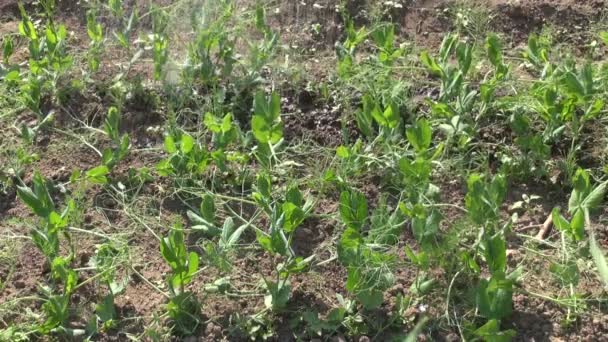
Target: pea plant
128,23
494,79
384,37
186,155
49,59
260,53
211,54
112,155
285,215
46,237
108,259
159,41
533,150
267,128
417,201
224,134
367,256
456,101
205,222
584,199
374,114
38,199
493,294
346,51
95,32
537,56
183,308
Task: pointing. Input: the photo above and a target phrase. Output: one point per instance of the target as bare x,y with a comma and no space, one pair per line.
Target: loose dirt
306,117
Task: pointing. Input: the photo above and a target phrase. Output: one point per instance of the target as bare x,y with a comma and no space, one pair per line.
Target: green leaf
343,152
577,225
559,221
60,268
192,263
260,21
173,249
268,108
208,208
494,297
297,265
365,118
98,174
265,241
494,49
387,118
420,135
105,310
13,76
202,225
278,295
31,200
112,123
227,231
56,312
294,196
573,85
430,63
170,144
425,226
38,198
490,332
496,254
7,48
56,222
595,197
422,285
186,143
212,123
599,259
51,37
294,216
266,131
484,198
464,54
349,246
447,47
415,172
604,37
264,185
272,243
421,259
353,209
228,241
94,29
370,299
442,109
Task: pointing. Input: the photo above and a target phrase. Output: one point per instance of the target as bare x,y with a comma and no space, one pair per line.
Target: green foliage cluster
227,157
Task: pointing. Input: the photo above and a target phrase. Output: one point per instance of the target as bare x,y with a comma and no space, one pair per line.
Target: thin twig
545,228
532,226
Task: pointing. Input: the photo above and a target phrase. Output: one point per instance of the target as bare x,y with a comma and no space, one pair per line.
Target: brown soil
307,118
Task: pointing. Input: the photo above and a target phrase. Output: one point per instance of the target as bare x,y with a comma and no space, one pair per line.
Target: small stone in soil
452,337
